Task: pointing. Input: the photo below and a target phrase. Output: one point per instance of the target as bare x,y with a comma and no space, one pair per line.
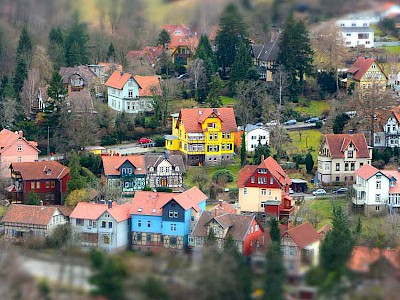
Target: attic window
48,172
177,168
140,209
154,210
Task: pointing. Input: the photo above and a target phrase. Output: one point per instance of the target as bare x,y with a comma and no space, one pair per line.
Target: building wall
11,155
250,198
155,223
253,137
253,234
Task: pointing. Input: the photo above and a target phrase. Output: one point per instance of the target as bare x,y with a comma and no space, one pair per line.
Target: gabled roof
190,198
150,85
81,102
366,171
150,53
118,79
303,235
40,170
7,138
149,203
393,175
83,71
336,141
266,52
154,159
93,211
110,66
276,170
111,164
238,225
244,174
29,214
223,207
361,66
192,118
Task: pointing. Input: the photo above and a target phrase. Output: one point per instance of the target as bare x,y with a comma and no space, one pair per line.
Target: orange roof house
365,73
150,85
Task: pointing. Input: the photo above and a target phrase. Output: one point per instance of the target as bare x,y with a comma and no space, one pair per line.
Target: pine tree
232,32
56,47
262,150
24,48
111,53
77,181
243,149
204,52
163,39
241,66
309,162
76,43
21,73
214,95
56,89
274,230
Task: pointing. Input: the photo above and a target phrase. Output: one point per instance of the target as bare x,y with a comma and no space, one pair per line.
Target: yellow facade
251,198
374,77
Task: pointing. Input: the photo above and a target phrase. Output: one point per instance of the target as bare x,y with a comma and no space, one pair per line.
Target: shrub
59,237
164,189
222,174
159,141
318,124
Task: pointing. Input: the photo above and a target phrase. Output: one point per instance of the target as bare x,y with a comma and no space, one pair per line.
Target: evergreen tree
274,230
21,73
339,122
309,162
260,151
232,32
214,95
163,39
24,48
298,58
204,52
241,66
77,181
56,47
76,43
211,239
56,89
111,53
243,149
274,273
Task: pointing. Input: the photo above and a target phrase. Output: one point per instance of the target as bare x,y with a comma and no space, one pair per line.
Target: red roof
110,66
118,79
361,66
191,198
337,141
7,138
396,175
190,42
245,173
29,214
176,30
304,235
111,164
92,211
149,203
150,85
192,118
213,33
150,53
39,170
366,171
223,208
276,170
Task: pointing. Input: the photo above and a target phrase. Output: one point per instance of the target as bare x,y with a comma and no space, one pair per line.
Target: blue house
165,220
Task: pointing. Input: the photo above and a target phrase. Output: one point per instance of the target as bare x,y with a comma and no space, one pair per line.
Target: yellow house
205,136
366,73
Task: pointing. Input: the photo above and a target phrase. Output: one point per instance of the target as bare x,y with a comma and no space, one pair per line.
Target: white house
101,225
357,32
377,191
387,132
132,94
255,134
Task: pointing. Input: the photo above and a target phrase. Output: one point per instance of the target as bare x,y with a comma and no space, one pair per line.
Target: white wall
252,138
371,190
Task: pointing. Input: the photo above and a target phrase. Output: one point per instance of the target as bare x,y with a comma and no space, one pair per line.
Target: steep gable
118,79
337,144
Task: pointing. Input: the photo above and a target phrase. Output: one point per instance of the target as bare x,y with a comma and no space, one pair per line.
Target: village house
356,32
126,172
41,100
164,220
164,170
105,226
14,147
46,180
300,248
22,222
388,132
77,78
132,94
204,136
254,136
264,190
366,74
244,230
148,55
377,191
340,155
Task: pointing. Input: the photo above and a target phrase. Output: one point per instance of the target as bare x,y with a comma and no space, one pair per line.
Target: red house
47,179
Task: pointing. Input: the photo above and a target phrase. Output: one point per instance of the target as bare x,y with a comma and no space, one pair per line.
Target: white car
319,192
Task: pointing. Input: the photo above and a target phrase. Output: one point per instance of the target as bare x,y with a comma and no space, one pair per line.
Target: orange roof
223,208
245,173
176,30
336,141
92,211
276,170
7,138
190,42
190,198
40,170
111,164
396,175
192,118
361,66
150,85
366,171
110,66
304,235
149,203
150,53
118,79
29,214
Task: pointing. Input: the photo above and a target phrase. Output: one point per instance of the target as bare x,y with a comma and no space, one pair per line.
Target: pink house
15,148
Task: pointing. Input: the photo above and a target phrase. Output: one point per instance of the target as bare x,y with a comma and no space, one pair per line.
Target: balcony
196,138
105,230
358,201
287,211
127,175
359,187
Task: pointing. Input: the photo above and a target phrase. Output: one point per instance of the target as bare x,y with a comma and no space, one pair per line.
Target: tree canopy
76,44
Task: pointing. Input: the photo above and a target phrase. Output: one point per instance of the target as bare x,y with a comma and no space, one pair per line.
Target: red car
145,140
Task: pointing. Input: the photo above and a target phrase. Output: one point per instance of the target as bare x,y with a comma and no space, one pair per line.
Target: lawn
228,101
309,139
392,49
176,105
323,209
315,109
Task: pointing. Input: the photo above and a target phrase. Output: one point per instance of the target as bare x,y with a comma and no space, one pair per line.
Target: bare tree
30,90
279,139
197,73
8,110
42,62
280,85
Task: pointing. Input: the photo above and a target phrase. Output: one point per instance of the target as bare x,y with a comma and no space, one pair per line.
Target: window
352,166
245,191
92,223
173,241
47,184
337,166
110,224
175,214
222,146
271,180
392,183
130,94
346,166
38,184
32,185
192,218
228,146
173,227
19,148
212,125
263,204
361,164
376,207
252,179
149,224
106,240
53,184
19,159
262,180
263,192
79,222
337,178
378,198
103,224
270,192
139,223
292,251
350,154
171,213
253,137
378,185
348,34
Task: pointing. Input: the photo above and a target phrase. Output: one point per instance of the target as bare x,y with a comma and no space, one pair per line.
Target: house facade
340,155
14,147
105,226
356,32
126,172
264,190
204,136
77,78
244,230
164,170
366,74
22,222
255,135
164,220
132,94
388,135
377,191
300,248
47,180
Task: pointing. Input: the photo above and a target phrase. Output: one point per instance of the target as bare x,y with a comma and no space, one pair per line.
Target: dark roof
83,71
154,159
80,102
266,52
238,225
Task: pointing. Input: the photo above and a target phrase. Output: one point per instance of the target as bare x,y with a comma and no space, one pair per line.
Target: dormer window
350,154
48,172
392,183
19,148
151,169
177,168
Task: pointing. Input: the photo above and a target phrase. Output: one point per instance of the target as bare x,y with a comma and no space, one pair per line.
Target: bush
318,124
159,141
222,174
108,140
59,237
164,189
299,158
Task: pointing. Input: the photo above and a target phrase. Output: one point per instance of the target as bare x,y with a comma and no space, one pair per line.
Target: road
312,197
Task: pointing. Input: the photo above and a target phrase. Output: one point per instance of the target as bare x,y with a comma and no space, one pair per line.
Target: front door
164,181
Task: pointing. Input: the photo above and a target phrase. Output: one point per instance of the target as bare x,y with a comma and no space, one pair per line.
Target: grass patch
309,139
228,101
392,49
176,105
316,108
322,208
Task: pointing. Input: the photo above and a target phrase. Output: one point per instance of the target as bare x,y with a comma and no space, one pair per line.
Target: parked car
145,141
183,76
290,122
319,192
291,191
312,120
272,123
341,191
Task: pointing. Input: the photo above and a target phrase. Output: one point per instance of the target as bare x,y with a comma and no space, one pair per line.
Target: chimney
220,202
21,133
109,203
237,210
215,110
262,157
